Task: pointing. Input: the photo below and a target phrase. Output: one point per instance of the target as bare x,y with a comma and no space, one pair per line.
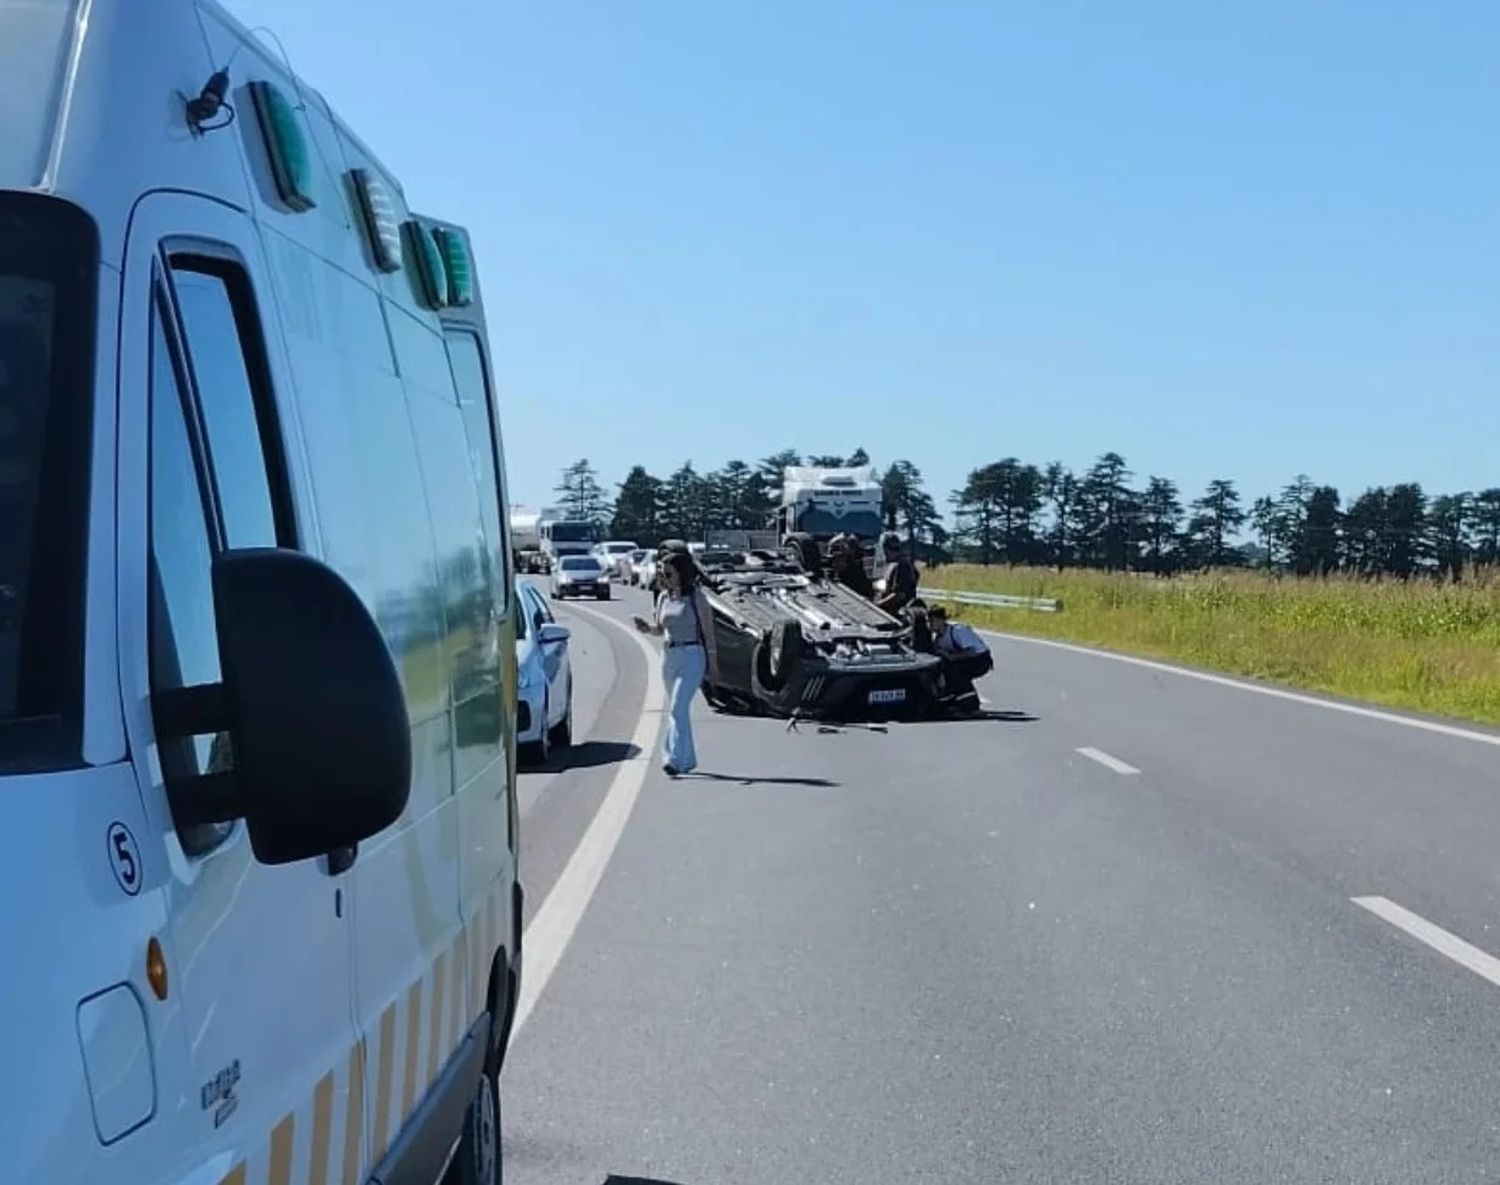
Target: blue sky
1245,242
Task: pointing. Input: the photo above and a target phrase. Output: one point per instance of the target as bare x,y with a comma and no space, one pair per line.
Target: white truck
526,538
823,503
562,536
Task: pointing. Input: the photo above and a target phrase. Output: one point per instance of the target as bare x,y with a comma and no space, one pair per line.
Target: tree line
737,496
1012,512
1016,513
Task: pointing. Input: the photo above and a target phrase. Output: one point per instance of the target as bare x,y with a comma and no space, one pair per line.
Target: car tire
787,648
539,751
802,548
602,595
562,731
478,1159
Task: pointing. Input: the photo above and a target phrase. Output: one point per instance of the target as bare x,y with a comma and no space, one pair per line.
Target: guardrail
991,600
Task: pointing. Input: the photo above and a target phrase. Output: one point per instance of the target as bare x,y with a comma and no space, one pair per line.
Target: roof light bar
380,216
286,145
427,263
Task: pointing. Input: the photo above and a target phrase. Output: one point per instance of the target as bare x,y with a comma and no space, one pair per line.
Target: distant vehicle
580,576
526,539
646,569
260,913
634,561
563,537
823,502
544,677
616,556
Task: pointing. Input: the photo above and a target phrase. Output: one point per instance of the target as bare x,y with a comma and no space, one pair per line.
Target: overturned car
795,644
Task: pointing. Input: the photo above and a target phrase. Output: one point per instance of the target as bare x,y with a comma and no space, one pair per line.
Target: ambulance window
227,355
484,442
49,263
184,648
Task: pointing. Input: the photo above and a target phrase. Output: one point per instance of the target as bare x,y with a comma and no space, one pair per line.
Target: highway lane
970,952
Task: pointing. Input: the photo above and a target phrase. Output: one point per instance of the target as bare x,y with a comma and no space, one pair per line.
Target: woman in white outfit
685,622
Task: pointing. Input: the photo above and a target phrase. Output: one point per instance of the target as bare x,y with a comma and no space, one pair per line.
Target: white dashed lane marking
1451,945
1108,762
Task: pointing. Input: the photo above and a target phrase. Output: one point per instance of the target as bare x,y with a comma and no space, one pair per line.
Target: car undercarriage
798,645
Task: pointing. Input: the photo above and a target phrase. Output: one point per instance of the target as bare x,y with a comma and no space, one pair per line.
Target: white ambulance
259,915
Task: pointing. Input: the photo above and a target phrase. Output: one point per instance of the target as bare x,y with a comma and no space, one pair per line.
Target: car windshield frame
49,281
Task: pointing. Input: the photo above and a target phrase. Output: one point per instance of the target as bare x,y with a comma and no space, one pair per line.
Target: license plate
895,695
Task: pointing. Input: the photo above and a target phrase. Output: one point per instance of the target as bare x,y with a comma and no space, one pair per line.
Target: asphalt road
1106,935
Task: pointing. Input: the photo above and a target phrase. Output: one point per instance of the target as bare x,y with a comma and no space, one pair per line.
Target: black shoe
669,769
967,705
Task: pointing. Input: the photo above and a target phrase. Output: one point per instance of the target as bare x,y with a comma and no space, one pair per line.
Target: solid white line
1434,936
554,923
1107,761
1450,730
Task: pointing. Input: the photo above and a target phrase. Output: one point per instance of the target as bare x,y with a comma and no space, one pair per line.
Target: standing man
900,576
847,565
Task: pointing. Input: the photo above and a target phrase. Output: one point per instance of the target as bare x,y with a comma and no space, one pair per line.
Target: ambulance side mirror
312,703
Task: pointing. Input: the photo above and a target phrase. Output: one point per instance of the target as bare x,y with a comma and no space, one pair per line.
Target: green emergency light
458,264
427,262
286,145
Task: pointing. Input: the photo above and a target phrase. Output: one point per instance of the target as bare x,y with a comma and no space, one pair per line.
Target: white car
616,556
544,677
580,576
633,564
645,570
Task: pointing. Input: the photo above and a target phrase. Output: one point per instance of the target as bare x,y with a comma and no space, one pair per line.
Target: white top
959,639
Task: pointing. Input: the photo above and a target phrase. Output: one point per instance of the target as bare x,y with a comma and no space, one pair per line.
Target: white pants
682,671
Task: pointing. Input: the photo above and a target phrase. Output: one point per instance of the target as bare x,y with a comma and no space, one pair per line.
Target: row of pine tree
1011,512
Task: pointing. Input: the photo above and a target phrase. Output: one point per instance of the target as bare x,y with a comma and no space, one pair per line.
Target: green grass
1421,645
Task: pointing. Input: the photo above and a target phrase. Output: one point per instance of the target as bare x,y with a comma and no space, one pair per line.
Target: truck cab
823,502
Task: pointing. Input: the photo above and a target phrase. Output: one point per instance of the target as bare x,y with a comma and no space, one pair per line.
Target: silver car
580,576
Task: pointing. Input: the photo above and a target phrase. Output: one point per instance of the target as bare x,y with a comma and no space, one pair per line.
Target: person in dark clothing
847,566
965,658
900,576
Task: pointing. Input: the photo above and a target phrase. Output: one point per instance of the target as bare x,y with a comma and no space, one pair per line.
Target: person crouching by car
965,658
685,621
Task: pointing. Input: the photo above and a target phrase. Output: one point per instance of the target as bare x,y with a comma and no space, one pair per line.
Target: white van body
199,359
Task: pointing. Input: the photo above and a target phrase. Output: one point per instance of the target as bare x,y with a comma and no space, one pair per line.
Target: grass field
1431,647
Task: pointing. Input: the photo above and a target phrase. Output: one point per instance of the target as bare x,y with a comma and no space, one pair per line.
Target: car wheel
477,1160
562,733
787,648
539,751
602,595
